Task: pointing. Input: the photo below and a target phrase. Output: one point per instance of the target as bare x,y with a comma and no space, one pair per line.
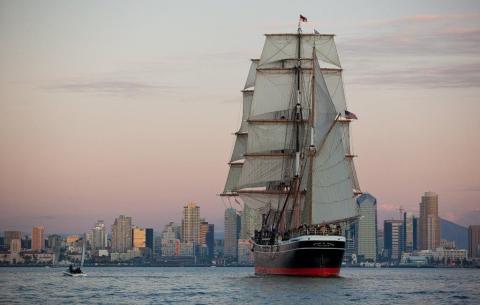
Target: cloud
445,76
109,87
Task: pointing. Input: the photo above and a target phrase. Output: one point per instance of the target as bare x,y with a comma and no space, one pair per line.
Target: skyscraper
429,222
9,235
367,227
37,238
474,241
149,240
99,236
191,223
122,234
251,220
170,240
138,237
231,234
409,233
211,240
392,236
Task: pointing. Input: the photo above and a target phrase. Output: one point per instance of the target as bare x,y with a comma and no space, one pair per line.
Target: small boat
77,272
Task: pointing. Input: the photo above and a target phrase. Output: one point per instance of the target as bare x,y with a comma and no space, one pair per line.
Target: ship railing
323,230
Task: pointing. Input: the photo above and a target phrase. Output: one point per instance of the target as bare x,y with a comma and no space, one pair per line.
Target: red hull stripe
322,272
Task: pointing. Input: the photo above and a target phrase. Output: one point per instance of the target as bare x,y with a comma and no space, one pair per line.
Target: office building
99,236
170,240
191,223
54,242
409,233
232,221
149,240
474,241
429,222
392,236
38,242
122,234
9,235
251,220
138,238
367,228
211,240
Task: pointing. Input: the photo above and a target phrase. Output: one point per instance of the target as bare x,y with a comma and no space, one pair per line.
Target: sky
128,107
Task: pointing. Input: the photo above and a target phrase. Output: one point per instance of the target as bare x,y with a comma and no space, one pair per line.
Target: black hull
305,256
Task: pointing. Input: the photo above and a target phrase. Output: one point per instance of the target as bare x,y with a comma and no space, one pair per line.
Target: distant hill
452,231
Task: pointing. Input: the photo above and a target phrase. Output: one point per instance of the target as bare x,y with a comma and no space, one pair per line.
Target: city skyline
138,130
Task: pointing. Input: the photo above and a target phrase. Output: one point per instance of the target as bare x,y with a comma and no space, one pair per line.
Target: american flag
350,115
303,18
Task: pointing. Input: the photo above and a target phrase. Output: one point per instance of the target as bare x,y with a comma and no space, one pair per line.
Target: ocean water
203,285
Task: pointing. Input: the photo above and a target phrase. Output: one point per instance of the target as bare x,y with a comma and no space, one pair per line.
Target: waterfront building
380,243
245,254
392,230
442,254
429,222
251,220
191,223
211,240
187,249
447,244
409,233
122,234
149,240
367,228
8,236
38,242
99,236
55,242
474,241
157,245
170,240
231,234
72,239
138,238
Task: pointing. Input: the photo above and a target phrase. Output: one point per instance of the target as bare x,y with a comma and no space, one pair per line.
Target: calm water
238,286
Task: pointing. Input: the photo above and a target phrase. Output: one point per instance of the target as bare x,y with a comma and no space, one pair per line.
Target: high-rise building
170,240
367,227
9,235
211,240
138,237
15,246
191,223
409,233
122,234
99,236
54,242
474,241
230,246
429,222
380,243
149,240
37,238
392,236
251,220
203,232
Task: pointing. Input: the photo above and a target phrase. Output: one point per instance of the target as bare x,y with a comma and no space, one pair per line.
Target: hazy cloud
110,87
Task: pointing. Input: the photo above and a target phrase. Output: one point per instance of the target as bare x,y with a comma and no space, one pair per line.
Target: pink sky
109,109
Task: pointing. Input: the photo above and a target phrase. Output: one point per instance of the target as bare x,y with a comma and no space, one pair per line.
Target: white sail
273,92
260,170
270,137
332,187
334,82
262,201
232,178
345,130
252,73
83,250
246,106
280,47
239,148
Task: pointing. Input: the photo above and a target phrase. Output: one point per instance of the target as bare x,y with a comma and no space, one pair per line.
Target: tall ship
291,164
